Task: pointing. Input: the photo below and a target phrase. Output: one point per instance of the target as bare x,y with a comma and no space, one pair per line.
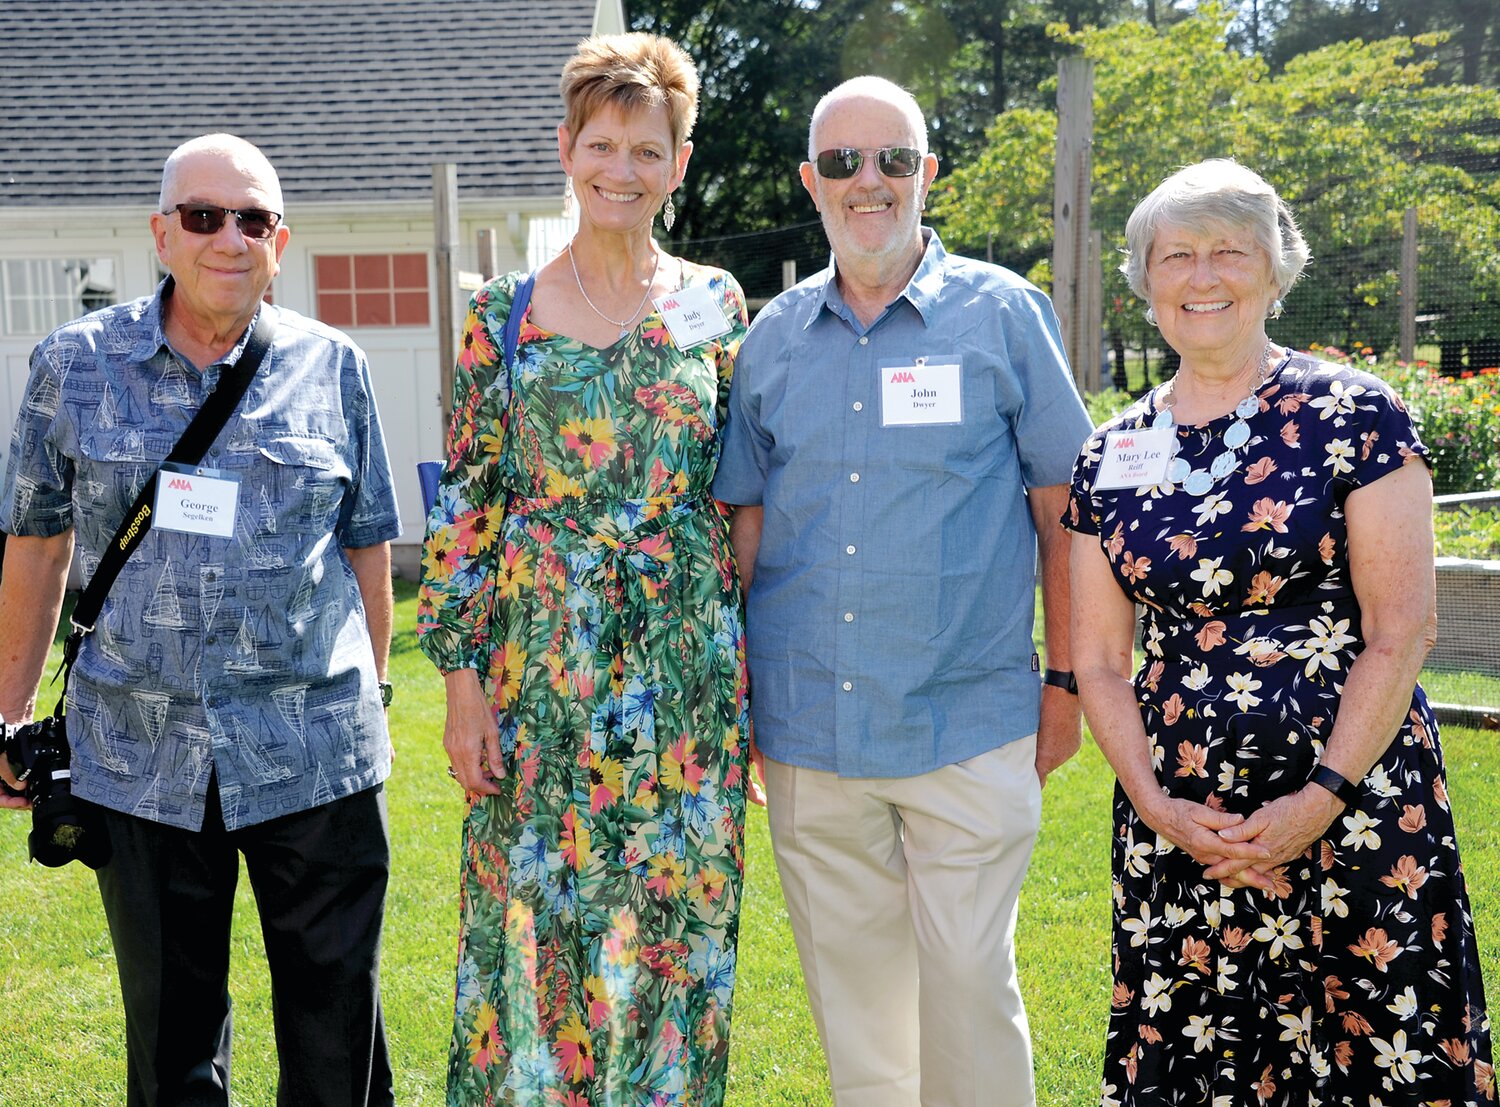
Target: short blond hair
631,71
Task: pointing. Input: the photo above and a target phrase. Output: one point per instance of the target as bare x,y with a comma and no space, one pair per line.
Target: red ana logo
181,483
1125,443
669,305
903,376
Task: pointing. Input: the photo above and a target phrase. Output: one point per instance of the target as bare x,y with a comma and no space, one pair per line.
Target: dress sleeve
456,600
1082,516
1384,435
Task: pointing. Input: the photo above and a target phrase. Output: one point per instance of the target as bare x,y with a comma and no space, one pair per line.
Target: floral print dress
576,559
1357,981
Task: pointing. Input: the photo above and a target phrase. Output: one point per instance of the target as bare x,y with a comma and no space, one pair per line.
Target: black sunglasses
845,162
254,223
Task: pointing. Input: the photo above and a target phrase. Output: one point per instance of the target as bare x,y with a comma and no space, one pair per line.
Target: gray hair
243,155
873,88
1211,195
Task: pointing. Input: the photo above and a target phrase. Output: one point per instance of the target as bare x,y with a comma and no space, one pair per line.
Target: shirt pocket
114,464
303,488
972,447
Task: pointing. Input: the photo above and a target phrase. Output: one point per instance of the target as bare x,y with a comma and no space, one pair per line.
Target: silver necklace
1197,482
623,324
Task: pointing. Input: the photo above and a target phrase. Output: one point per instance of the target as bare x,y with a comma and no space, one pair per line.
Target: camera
63,828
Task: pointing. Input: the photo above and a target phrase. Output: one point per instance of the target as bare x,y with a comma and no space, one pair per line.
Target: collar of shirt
151,337
921,291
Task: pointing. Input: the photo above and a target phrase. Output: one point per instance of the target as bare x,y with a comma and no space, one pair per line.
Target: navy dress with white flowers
1357,980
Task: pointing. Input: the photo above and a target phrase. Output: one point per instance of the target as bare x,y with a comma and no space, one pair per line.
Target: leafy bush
1468,532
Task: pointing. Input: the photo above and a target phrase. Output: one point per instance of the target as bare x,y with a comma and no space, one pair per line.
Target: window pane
336,308
335,273
372,272
41,294
411,309
372,309
410,272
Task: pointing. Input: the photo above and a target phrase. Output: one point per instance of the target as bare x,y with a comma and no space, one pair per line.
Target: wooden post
489,253
445,232
1408,351
1070,211
1090,379
788,273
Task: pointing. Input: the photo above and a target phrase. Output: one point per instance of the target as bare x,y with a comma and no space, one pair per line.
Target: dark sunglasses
254,223
845,162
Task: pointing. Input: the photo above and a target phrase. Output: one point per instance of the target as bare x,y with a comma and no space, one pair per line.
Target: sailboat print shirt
248,656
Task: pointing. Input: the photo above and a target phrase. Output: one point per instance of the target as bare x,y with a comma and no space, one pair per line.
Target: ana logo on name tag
692,316
922,394
1135,458
196,501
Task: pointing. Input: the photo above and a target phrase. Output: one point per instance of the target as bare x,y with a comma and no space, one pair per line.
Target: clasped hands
1244,851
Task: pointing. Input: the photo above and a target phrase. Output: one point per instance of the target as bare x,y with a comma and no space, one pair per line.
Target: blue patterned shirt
246,657
890,615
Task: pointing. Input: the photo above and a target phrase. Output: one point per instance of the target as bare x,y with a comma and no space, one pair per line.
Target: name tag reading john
926,393
692,316
195,500
1135,458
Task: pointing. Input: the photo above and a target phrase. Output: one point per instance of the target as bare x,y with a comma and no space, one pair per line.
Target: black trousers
320,879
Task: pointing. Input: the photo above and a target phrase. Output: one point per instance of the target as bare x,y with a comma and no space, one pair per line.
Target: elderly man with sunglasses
229,699
902,429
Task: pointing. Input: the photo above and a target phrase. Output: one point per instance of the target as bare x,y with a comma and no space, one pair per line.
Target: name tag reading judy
926,393
692,316
1135,458
194,500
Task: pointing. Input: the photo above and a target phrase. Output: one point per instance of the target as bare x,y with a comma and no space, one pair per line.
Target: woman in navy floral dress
1291,921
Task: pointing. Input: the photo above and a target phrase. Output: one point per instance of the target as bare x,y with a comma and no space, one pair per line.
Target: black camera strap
194,443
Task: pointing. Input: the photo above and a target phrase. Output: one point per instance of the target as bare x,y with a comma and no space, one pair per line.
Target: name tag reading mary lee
195,500
1135,458
927,393
692,315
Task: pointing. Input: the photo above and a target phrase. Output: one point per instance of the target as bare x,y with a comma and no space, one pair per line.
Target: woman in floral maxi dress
1280,939
580,596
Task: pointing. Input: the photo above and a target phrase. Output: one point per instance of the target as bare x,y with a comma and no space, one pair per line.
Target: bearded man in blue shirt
230,697
902,430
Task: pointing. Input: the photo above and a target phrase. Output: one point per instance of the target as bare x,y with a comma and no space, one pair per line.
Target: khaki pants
902,895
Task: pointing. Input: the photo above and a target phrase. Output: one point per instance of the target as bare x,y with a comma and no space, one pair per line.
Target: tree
1349,134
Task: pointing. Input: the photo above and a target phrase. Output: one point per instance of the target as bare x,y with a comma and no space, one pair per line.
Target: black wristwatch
387,689
1337,783
1061,678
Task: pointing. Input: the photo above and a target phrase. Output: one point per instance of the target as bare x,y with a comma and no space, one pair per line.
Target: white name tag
1135,458
922,394
692,315
195,501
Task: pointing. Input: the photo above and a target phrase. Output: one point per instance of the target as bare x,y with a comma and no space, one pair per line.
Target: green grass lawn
61,1025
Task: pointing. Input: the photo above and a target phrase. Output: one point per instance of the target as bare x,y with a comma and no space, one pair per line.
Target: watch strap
1335,782
1061,678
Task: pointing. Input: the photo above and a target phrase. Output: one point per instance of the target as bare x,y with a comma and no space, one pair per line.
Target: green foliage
1350,134
1468,532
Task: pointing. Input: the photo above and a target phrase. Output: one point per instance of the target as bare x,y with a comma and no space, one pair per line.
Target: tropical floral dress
576,559
1357,981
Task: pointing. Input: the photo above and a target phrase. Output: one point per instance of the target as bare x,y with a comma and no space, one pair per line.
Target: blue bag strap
510,337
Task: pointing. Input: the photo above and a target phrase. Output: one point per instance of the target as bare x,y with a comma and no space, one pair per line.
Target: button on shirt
889,622
246,656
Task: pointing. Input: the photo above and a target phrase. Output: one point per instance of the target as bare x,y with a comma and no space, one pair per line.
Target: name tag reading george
1135,458
194,500
924,394
692,316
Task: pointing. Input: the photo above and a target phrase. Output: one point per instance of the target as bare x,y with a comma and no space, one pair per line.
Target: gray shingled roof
349,100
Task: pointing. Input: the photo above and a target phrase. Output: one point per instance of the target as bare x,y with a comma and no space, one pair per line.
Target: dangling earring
1277,307
668,213
1151,316
568,199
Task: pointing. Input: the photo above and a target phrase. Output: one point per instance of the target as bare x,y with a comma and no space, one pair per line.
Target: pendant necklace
1197,482
624,324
